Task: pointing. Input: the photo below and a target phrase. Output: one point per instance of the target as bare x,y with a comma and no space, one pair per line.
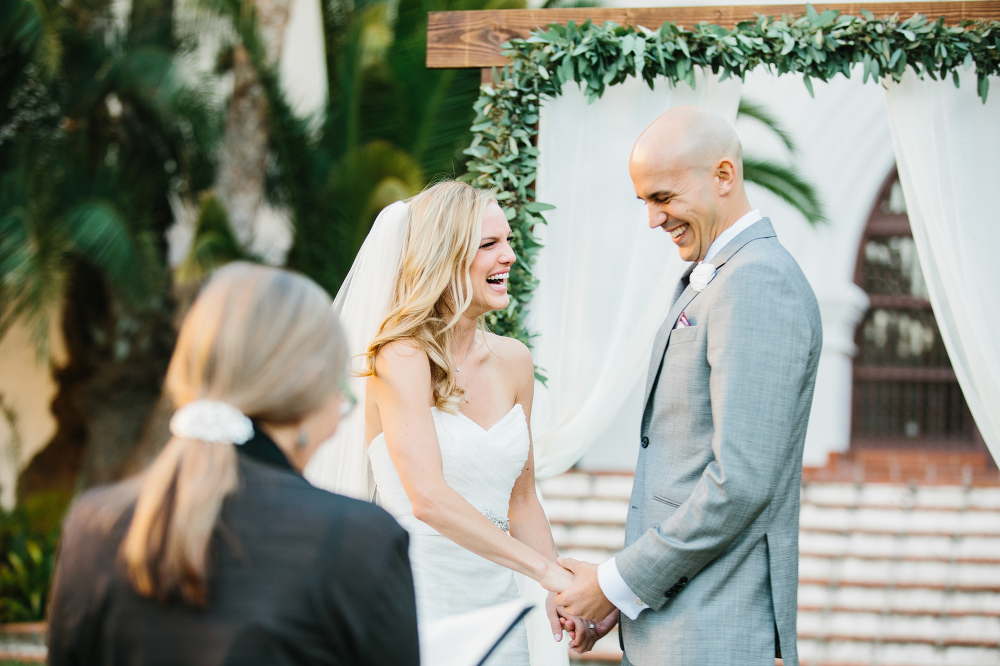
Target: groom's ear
725,176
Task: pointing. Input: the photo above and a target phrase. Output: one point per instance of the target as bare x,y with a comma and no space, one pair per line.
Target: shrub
28,537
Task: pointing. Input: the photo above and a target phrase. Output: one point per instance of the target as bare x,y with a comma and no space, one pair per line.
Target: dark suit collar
760,229
263,449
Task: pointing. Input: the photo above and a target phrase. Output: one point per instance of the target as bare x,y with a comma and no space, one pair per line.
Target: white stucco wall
27,388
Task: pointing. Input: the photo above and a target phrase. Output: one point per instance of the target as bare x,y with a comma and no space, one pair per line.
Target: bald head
688,137
688,169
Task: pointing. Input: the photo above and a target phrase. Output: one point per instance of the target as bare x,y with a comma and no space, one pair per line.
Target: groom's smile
677,232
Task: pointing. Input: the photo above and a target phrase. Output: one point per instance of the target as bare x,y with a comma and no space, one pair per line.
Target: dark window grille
905,390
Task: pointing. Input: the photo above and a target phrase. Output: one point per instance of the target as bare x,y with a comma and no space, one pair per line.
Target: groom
709,572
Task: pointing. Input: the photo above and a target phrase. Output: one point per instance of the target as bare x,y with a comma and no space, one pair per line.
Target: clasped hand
577,605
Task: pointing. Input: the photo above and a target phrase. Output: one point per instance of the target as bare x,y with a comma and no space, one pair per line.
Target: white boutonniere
701,276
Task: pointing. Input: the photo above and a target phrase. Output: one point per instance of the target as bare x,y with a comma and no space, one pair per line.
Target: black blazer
299,576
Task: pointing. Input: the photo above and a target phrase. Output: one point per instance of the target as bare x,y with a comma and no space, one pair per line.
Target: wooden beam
468,39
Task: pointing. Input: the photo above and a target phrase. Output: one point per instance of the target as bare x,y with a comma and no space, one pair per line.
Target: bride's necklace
467,352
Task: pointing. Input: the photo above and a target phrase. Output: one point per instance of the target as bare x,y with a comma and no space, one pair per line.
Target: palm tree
781,179
97,132
390,126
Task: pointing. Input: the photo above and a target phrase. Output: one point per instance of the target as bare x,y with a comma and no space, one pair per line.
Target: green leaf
817,45
538,207
101,234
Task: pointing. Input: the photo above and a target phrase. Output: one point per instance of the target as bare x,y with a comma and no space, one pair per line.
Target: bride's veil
341,463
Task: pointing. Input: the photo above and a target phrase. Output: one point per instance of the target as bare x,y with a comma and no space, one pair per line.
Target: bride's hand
555,578
583,633
555,622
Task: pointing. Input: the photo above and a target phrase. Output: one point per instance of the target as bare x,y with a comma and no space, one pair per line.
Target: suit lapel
682,296
685,294
760,229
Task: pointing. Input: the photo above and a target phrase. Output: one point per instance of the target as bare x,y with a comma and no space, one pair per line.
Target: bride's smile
490,270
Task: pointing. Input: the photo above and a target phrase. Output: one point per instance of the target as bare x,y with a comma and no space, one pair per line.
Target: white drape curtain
947,144
605,278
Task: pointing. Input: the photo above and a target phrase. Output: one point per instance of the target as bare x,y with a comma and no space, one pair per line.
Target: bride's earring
303,439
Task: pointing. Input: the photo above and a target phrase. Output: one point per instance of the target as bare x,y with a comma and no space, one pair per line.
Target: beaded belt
500,521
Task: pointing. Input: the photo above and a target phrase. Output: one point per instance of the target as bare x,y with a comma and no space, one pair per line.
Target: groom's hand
584,597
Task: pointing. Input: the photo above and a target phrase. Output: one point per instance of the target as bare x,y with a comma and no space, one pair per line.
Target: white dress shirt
609,578
738,227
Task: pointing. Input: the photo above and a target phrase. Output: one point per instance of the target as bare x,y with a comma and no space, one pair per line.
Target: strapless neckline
517,407
380,438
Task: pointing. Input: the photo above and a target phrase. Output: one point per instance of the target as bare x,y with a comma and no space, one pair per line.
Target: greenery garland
817,45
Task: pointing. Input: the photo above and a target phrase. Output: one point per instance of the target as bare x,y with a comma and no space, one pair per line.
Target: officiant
222,553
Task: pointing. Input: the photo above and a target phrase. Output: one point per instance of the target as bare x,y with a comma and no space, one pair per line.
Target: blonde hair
263,340
433,285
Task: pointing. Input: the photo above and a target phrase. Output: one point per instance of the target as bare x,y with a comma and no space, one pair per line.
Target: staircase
889,573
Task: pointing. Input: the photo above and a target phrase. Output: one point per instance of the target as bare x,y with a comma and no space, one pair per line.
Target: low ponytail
166,549
259,343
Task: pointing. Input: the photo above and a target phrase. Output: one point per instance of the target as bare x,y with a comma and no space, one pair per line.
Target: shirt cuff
618,591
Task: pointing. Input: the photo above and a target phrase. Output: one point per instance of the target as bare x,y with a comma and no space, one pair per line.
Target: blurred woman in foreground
221,553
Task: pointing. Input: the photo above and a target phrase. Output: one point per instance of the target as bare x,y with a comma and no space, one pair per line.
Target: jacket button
683,580
644,442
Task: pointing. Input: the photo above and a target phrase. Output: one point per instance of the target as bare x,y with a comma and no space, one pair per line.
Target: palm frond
49,54
759,112
786,182
213,245
438,103
100,234
33,273
370,178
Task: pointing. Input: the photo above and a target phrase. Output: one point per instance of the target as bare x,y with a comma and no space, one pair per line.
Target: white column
842,309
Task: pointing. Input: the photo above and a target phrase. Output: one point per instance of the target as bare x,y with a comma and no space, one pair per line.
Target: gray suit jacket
712,531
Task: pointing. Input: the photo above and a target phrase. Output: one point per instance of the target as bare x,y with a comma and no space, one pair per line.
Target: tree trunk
243,162
107,389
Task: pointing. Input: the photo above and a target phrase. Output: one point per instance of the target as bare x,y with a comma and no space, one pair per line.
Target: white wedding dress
482,466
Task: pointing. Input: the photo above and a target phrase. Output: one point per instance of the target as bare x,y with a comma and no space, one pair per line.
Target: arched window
905,391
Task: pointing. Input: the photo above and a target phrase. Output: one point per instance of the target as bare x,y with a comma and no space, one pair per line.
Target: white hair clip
211,421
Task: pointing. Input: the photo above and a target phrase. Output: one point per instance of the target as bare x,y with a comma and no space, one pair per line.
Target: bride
447,409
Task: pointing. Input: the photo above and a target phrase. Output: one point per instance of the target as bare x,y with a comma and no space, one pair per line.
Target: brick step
886,495
824,594
580,485
597,488
836,652
901,574
23,642
907,466
967,631
905,547
900,521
